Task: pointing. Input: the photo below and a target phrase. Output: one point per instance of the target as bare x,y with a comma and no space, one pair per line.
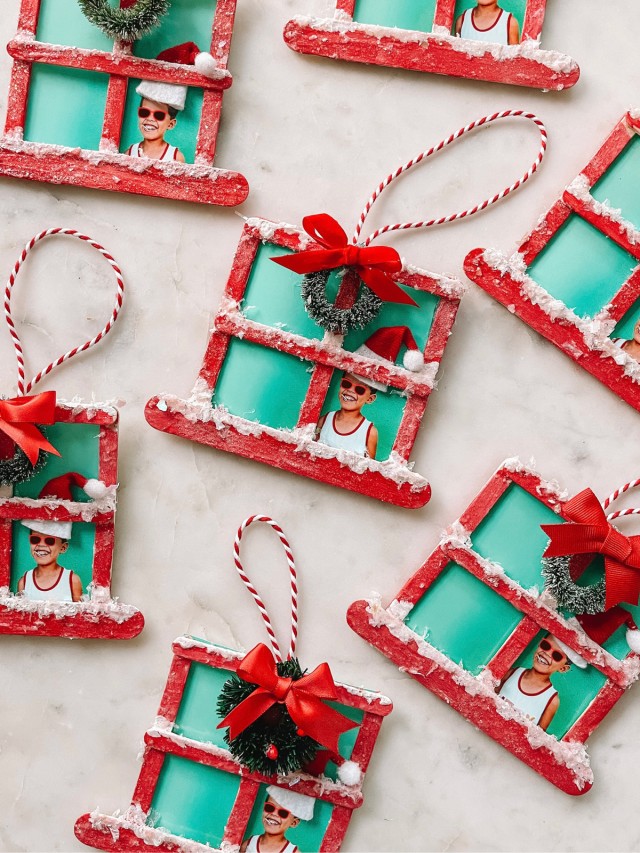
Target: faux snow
98,605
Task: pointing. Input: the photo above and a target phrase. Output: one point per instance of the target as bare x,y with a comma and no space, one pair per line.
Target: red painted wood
103,555
336,829
152,763
412,415
504,658
595,713
16,119
565,336
444,14
29,12
79,627
612,229
6,541
219,187
417,585
347,7
114,113
266,448
316,395
127,841
477,709
544,231
611,148
236,827
174,688
436,54
209,126
222,31
123,64
533,19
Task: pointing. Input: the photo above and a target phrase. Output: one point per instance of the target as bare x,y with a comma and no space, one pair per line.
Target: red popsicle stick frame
509,284
438,51
106,832
100,617
472,696
295,451
107,169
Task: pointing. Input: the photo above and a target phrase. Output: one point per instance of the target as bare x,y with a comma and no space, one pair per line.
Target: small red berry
300,732
272,752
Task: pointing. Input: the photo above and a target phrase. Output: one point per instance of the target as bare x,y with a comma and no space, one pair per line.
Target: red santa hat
385,343
601,626
300,805
59,489
172,94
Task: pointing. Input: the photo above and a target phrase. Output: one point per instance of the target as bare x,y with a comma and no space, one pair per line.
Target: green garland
274,728
18,468
340,320
124,24
577,599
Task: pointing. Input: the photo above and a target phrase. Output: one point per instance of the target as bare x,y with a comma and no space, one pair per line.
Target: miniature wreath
125,24
18,468
577,599
340,320
273,743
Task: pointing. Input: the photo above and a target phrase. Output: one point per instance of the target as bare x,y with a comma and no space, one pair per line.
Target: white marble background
314,135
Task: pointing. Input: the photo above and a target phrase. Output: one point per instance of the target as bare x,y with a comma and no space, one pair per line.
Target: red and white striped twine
615,495
256,597
17,345
443,144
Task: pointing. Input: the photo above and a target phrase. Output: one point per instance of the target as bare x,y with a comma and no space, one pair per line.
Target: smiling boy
154,120
283,810
347,428
531,690
48,580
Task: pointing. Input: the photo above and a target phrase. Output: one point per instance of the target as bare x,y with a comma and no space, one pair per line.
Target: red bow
372,263
17,419
593,534
302,698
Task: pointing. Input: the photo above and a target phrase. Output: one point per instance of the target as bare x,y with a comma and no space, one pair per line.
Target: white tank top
254,846
498,33
169,153
532,704
60,591
356,440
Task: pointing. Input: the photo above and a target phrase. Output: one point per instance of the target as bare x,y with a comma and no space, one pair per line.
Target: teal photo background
62,22
620,184
273,297
66,106
404,14
419,319
192,800
262,384
79,446
625,327
463,618
385,412
510,535
307,836
78,558
576,688
516,7
582,267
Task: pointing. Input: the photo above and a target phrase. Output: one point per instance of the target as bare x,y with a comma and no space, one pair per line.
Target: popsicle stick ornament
294,772
57,523
89,80
500,44
301,368
576,277
475,626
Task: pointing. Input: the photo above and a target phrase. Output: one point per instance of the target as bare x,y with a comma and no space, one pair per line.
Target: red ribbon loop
302,699
17,419
591,533
372,263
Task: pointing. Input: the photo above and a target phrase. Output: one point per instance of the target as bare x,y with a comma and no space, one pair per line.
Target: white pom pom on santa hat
386,343
633,639
350,773
601,626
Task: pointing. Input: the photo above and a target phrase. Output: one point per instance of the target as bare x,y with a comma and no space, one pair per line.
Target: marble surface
314,135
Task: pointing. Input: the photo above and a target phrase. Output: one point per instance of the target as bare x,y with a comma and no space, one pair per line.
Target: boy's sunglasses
359,389
545,645
269,808
159,115
34,539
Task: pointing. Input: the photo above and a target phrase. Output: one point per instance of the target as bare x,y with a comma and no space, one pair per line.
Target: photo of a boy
632,345
154,120
283,810
531,690
347,428
488,22
49,581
